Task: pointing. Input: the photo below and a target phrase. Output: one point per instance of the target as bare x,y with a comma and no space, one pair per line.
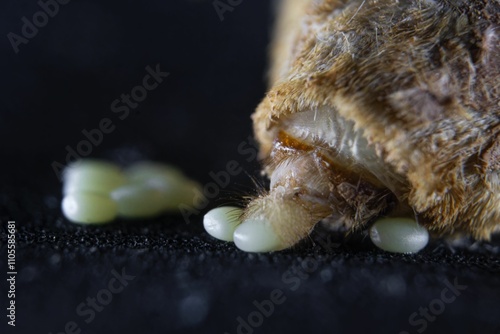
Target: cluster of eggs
97,192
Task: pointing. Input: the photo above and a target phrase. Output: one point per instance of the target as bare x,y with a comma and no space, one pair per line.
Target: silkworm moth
380,107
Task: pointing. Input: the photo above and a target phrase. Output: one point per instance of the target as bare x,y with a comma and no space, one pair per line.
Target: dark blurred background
63,80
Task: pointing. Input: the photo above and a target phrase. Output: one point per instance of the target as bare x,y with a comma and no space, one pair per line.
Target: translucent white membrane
89,208
221,222
257,235
399,235
92,176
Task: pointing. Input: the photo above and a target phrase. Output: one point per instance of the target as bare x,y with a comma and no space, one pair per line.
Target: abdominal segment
319,170
321,158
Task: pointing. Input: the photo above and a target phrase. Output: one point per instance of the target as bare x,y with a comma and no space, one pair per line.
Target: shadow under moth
379,107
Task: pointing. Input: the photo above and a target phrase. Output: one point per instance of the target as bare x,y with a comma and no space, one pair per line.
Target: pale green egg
399,235
171,182
137,200
256,235
182,193
89,208
92,176
153,172
221,222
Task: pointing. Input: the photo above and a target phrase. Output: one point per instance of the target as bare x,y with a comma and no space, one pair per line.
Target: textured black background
64,80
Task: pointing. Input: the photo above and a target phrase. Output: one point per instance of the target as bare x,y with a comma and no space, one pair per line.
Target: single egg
152,171
257,235
221,222
139,200
92,176
89,208
399,235
170,181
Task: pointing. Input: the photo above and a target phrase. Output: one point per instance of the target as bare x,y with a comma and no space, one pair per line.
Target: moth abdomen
382,105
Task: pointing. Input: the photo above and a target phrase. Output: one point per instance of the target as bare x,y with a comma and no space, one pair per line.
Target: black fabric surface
64,80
